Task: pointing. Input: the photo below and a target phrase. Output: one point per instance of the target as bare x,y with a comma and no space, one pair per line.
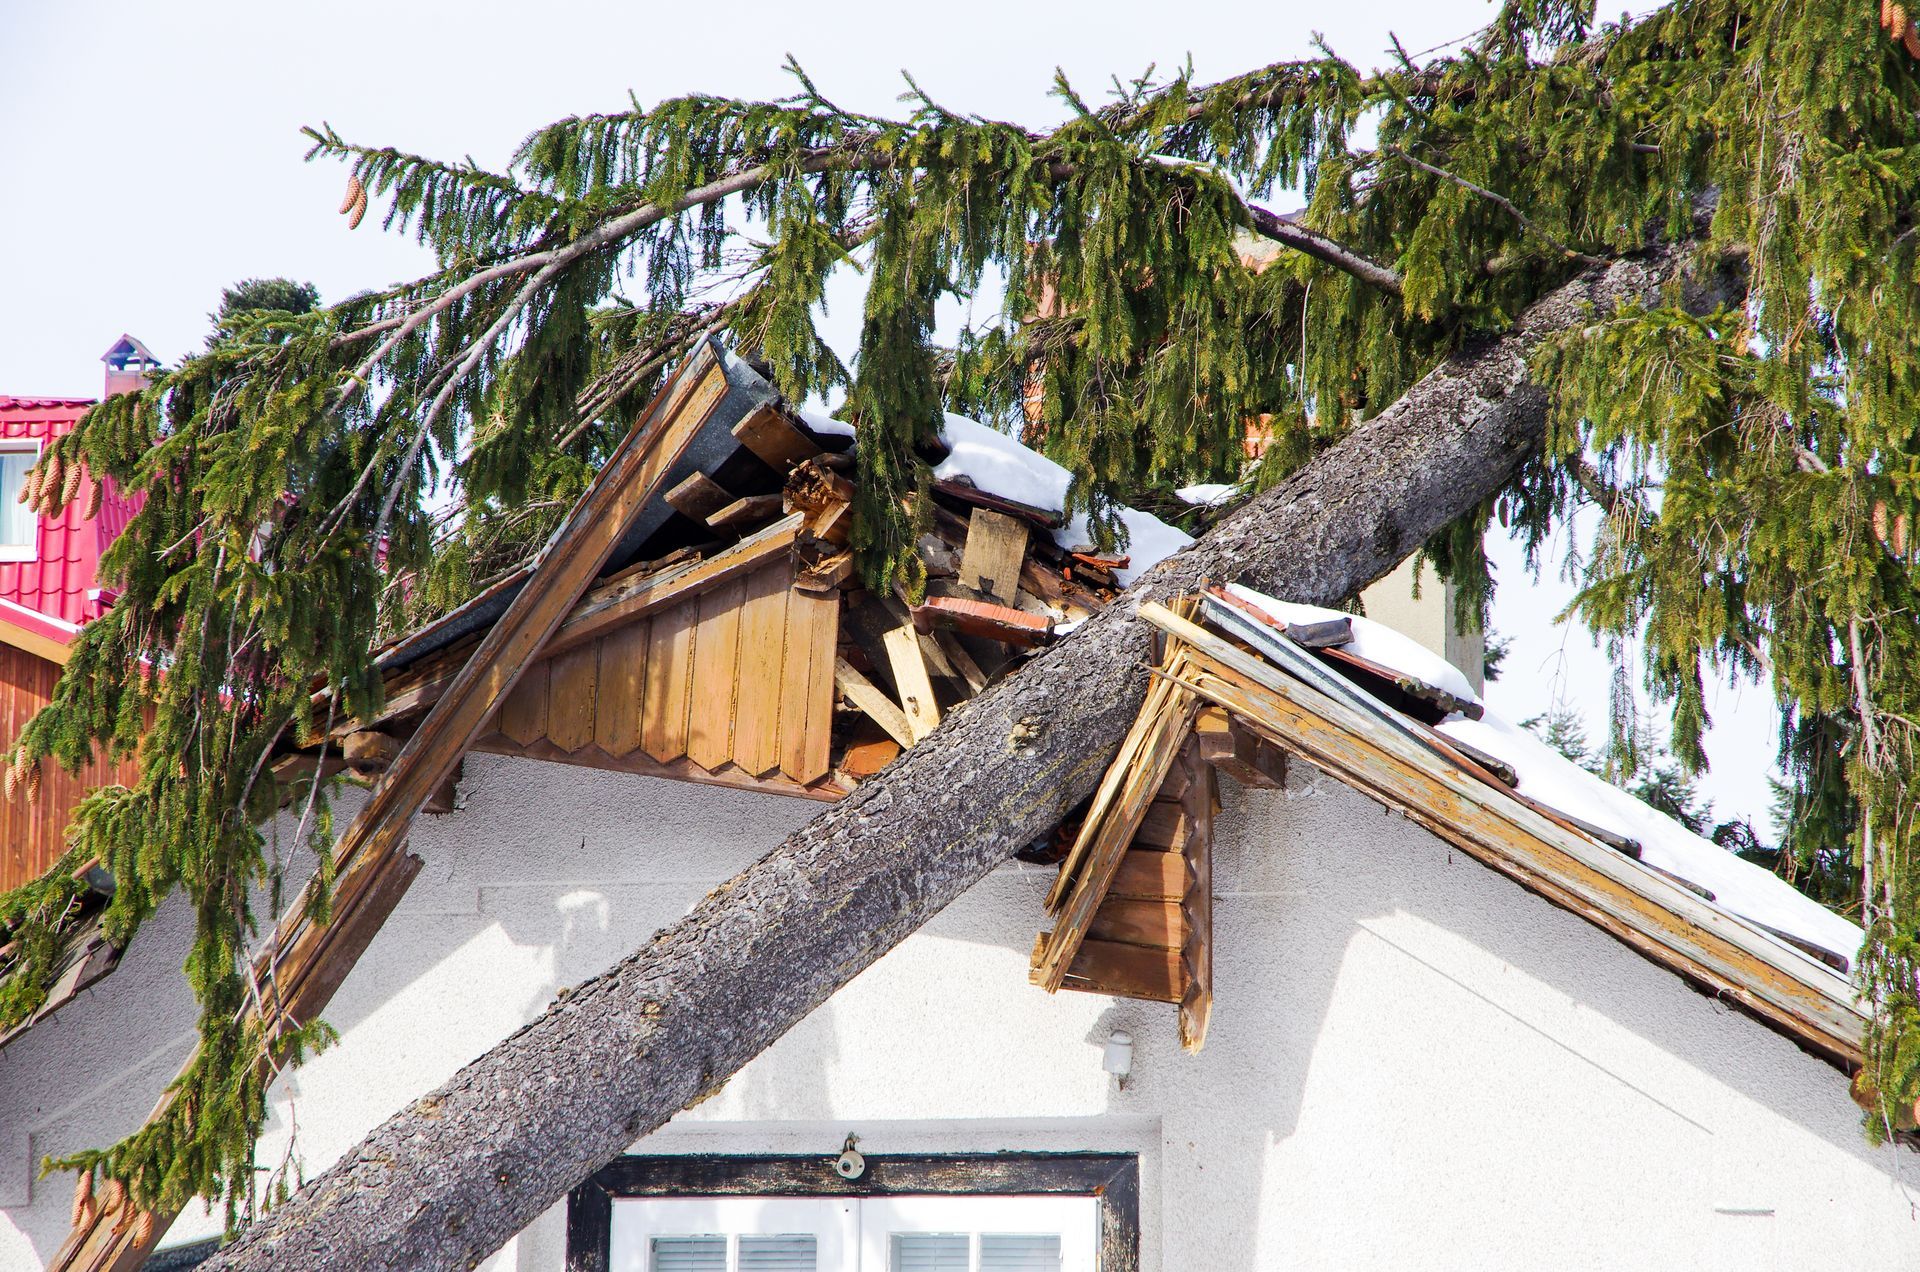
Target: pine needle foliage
1752,461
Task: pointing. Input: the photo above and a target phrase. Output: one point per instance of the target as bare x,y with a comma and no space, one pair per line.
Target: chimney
129,366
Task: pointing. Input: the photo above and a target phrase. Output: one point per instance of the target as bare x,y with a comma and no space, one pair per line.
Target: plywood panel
622,685
763,622
570,697
716,656
663,724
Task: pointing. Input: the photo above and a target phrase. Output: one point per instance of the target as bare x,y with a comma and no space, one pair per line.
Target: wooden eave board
726,679
1790,990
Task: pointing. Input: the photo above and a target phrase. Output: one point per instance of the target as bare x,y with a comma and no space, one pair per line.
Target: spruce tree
1756,465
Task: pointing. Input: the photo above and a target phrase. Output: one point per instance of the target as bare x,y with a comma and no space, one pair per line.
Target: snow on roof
1739,887
998,464
1207,493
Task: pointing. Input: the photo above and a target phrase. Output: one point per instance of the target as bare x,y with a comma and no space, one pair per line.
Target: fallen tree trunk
453,1177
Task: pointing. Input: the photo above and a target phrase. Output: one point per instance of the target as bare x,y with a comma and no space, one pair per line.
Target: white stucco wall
1412,1061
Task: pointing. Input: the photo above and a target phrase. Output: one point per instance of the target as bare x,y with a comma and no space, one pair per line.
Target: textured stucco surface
1412,1061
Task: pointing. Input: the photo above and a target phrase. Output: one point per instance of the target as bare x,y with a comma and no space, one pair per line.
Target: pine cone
355,190
82,1199
12,780
1896,21
143,1228
33,784
1886,14
55,476
114,1198
93,500
1912,39
359,210
71,486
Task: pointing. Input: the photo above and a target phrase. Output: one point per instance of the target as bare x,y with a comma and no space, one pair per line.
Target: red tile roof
63,581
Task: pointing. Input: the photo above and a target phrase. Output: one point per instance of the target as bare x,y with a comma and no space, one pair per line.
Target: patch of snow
1207,493
1739,887
1375,642
826,425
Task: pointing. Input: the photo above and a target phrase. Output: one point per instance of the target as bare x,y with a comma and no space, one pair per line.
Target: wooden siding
737,681
33,830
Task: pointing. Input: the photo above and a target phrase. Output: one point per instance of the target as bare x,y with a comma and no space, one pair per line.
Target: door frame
1112,1179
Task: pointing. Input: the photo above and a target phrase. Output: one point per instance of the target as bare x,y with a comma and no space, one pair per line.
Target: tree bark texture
451,1178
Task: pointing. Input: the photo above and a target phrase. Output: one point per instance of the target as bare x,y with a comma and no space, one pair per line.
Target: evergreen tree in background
1756,465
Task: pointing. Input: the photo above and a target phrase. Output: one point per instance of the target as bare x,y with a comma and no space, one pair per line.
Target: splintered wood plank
663,723
1196,907
1159,924
763,625
996,548
570,697
768,434
619,706
716,654
749,511
806,687
698,497
873,700
901,645
523,716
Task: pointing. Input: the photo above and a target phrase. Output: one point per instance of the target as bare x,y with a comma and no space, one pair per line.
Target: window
19,528
1031,1212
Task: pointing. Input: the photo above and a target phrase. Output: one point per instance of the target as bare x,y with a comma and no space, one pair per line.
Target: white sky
150,155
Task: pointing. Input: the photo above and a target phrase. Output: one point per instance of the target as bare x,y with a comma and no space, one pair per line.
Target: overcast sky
151,154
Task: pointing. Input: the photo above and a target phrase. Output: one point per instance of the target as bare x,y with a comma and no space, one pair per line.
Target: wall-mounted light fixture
850,1164
1117,1057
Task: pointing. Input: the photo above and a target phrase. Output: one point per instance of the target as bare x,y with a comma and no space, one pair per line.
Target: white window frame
1091,1200
30,446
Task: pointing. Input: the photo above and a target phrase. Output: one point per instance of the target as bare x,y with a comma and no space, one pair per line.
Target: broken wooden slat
622,686
902,648
698,497
748,511
961,661
683,769
996,548
570,697
873,700
523,716
716,653
663,720
1196,907
770,435
806,686
763,624
968,493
